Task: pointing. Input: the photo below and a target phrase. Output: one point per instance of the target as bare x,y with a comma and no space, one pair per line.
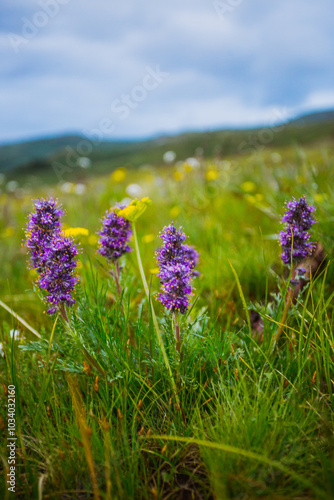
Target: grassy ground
97,415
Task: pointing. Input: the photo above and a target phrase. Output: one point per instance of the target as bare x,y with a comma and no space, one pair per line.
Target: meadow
98,414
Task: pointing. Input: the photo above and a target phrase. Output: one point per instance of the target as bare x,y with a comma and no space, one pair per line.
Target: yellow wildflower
92,240
76,231
118,175
250,198
148,238
9,231
211,175
178,176
175,211
319,197
187,167
248,186
133,211
154,271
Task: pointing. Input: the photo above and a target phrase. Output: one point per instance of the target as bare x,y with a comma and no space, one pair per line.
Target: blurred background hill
44,157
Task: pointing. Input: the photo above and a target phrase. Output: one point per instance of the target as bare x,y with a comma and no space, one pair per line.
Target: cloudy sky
138,68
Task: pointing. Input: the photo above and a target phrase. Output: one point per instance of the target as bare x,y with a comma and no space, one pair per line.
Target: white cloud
229,71
319,100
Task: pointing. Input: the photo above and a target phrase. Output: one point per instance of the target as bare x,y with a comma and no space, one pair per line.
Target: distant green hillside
21,153
45,157
317,117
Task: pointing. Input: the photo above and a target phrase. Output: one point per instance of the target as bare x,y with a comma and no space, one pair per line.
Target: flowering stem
298,220
177,335
288,302
63,312
140,265
155,322
117,275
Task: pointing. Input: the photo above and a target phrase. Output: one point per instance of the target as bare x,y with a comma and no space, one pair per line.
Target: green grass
97,414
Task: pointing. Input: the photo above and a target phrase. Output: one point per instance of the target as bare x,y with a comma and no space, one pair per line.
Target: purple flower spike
175,286
175,270
193,256
58,277
295,239
43,225
115,235
173,249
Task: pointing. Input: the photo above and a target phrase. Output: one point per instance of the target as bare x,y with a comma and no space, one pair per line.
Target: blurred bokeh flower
134,190
76,231
118,175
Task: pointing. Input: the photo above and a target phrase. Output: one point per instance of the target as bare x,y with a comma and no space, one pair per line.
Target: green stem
86,354
63,313
177,335
288,302
155,322
117,276
21,320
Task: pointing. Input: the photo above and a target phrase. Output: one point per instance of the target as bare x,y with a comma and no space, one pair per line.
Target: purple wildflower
58,277
115,235
43,225
175,271
173,249
175,285
294,240
193,256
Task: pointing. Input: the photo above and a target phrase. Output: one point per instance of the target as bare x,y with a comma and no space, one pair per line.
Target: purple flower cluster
193,256
58,277
51,253
43,225
115,235
176,262
295,238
